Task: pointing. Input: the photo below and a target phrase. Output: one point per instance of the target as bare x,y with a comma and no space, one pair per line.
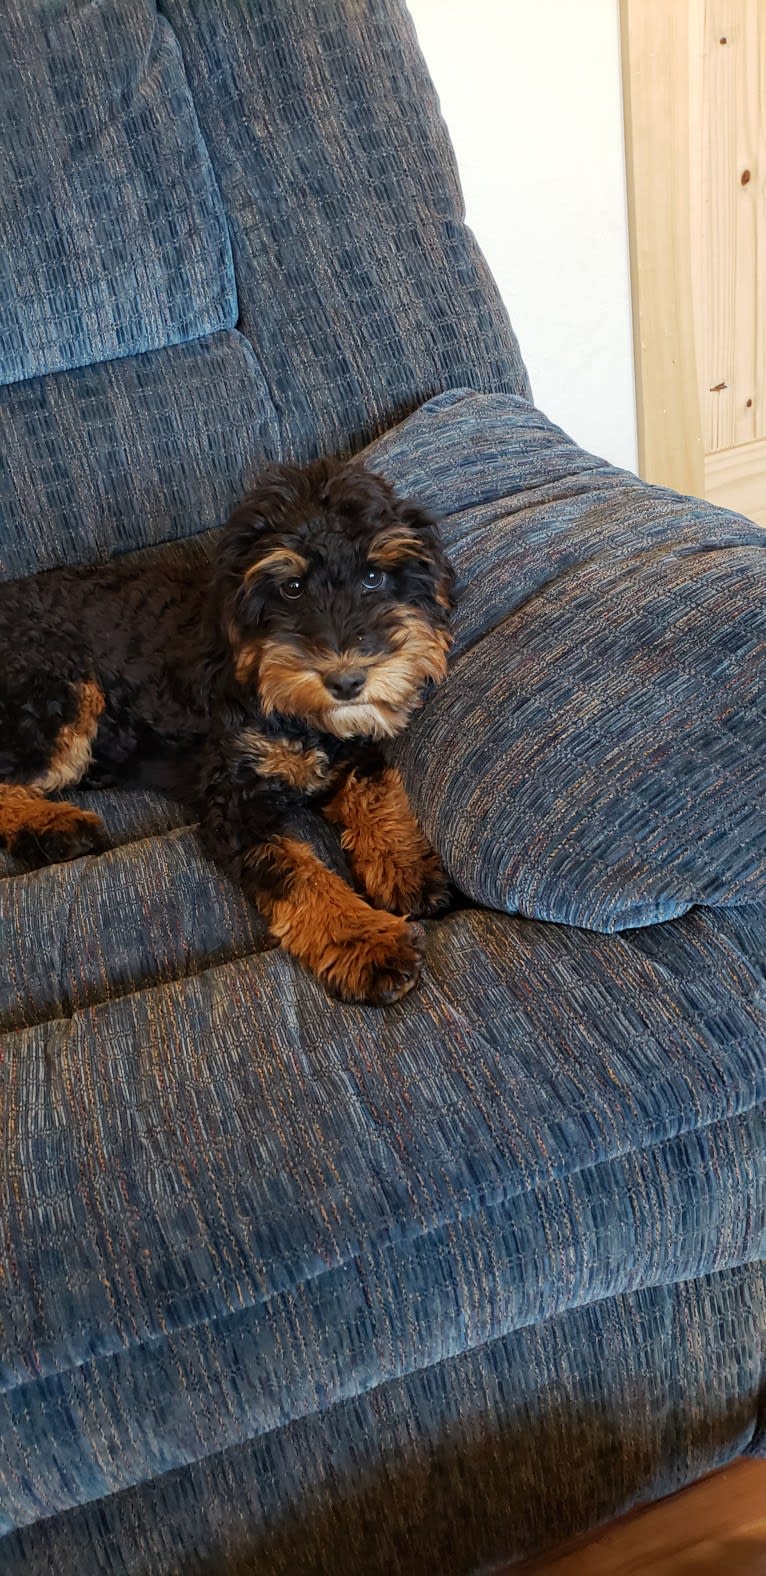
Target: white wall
531,92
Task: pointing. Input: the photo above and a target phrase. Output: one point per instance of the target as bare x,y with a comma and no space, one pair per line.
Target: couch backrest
360,287
165,177
113,238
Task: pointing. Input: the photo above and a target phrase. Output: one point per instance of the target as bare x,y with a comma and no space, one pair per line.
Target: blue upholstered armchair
294,1287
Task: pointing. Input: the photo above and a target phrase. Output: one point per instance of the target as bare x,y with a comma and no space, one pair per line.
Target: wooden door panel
695,103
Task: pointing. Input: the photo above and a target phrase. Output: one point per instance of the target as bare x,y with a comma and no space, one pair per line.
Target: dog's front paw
64,833
429,892
376,968
417,888
357,952
393,862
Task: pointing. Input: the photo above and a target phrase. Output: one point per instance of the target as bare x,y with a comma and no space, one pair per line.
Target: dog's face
335,599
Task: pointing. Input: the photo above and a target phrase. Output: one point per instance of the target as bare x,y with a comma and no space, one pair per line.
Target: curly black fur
251,688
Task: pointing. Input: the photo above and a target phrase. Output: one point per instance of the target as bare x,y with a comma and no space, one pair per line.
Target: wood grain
655,43
715,1528
727,67
736,478
694,82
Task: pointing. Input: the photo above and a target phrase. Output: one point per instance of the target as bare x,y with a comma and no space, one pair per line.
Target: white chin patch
363,721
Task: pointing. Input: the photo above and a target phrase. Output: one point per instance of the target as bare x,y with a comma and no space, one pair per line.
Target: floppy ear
424,526
248,539
241,541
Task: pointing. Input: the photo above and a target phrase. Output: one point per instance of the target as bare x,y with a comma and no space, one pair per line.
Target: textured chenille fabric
598,754
231,1203
290,1287
480,1458
113,238
98,927
360,287
129,453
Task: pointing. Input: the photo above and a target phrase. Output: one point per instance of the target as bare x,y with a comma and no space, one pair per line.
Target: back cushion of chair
361,288
113,238
131,453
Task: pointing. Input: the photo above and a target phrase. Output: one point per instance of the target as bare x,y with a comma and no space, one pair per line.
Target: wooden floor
715,1528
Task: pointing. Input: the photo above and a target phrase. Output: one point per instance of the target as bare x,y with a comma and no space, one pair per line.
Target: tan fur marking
394,682
280,561
73,750
390,548
389,854
356,951
24,809
247,658
287,684
286,759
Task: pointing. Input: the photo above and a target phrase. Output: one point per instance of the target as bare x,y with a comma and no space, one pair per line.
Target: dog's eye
372,579
291,589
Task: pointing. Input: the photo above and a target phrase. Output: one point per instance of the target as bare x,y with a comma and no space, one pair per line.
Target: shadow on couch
489,1500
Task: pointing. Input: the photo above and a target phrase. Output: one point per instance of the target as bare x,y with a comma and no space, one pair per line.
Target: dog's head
335,598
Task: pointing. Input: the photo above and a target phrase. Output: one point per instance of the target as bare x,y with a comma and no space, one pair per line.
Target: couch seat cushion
228,1202
598,754
114,239
458,1466
151,908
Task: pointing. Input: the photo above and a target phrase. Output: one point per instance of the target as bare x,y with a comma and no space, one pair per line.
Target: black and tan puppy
266,684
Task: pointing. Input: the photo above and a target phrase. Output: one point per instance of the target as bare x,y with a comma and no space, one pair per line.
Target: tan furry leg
359,953
43,831
389,855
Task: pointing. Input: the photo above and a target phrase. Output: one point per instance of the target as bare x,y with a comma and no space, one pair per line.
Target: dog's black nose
345,684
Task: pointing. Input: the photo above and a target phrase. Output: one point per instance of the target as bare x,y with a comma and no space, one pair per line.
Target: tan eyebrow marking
281,560
389,548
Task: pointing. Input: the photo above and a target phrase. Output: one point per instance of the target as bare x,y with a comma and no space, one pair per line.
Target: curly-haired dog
268,679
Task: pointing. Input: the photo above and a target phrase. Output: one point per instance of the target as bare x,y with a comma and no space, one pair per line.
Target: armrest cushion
598,753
